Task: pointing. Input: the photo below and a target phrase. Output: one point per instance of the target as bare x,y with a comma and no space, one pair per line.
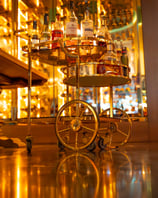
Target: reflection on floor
131,172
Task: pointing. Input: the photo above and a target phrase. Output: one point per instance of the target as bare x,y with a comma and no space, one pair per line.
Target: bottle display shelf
98,67
14,73
97,74
88,50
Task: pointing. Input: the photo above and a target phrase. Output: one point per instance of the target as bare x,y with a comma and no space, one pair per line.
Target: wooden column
150,35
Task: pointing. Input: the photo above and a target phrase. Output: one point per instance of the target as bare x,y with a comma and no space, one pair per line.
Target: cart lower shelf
98,80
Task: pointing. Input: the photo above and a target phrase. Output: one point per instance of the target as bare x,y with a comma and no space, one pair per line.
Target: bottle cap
34,24
46,19
71,4
57,16
124,50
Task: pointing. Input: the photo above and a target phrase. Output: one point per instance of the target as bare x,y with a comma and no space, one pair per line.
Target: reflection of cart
76,172
77,122
80,171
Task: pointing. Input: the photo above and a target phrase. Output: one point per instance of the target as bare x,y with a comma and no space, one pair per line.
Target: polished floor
131,172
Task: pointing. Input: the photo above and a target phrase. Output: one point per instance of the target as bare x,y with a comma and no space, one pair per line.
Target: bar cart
78,124
88,63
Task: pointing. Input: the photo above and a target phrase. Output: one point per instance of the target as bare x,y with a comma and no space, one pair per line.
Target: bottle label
87,30
35,40
101,69
56,34
71,29
110,47
44,38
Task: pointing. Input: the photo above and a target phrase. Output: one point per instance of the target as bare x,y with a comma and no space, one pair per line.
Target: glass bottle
86,25
71,24
124,57
57,32
87,32
118,49
110,22
124,61
103,33
35,37
110,56
45,35
108,60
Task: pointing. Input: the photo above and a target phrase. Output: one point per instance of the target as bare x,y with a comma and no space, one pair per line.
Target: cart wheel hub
76,124
113,127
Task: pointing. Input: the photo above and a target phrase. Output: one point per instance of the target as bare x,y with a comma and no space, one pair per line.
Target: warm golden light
5,4
18,180
98,13
22,14
22,3
56,85
38,105
18,106
37,3
50,80
3,20
5,41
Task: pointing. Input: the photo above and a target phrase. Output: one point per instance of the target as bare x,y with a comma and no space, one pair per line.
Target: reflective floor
131,172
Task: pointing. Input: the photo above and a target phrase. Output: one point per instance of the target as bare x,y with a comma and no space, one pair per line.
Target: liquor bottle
118,49
110,22
110,56
57,32
108,60
124,61
35,37
124,57
71,23
45,35
87,32
103,33
86,26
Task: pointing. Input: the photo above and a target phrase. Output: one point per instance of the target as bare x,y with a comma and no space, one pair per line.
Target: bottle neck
71,12
34,29
57,18
45,28
86,16
103,22
124,51
46,19
34,25
57,24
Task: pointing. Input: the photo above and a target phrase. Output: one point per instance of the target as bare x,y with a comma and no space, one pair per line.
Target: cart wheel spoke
82,112
76,141
121,132
64,130
88,129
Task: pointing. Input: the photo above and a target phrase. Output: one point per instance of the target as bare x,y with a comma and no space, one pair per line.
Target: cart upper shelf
14,73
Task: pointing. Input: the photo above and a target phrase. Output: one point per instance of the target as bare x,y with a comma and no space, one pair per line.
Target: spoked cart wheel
115,131
76,125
